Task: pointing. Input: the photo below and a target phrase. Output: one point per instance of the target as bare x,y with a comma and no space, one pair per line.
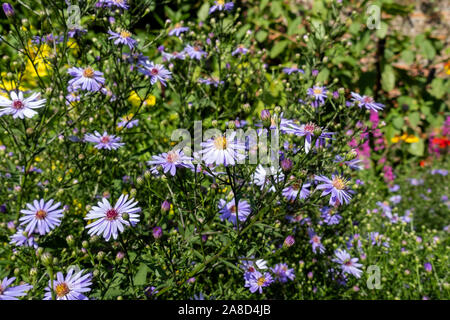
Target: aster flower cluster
256,277
100,202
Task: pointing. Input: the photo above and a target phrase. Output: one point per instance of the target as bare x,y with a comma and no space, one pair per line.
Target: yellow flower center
62,289
88,72
338,183
318,91
125,34
41,214
261,281
220,2
220,143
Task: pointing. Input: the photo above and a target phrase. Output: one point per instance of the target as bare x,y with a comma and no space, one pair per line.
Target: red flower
441,142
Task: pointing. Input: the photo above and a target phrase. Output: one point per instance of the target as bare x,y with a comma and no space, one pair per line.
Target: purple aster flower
287,126
128,122
240,50
384,206
315,241
354,164
178,29
124,37
291,192
41,217
76,32
221,5
223,150
8,9
122,4
228,210
337,186
110,220
261,177
428,267
72,287
105,141
289,71
72,98
318,93
348,264
367,102
174,55
442,172
250,266
330,216
415,182
283,273
308,131
86,79
211,81
156,72
170,161
395,199
11,293
20,107
23,239
195,52
377,239
257,281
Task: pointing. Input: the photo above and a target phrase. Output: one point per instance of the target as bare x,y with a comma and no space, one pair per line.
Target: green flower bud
47,258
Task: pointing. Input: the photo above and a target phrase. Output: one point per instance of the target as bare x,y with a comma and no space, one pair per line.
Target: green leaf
278,48
203,12
141,276
323,75
382,31
276,9
427,49
414,118
263,4
437,88
417,148
388,78
261,35
408,56
294,26
397,122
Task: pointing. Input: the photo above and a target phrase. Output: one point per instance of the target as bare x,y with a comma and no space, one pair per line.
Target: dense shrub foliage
221,150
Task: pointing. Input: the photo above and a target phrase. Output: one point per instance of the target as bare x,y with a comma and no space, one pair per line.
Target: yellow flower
134,99
447,68
39,65
8,85
151,100
408,138
73,45
411,139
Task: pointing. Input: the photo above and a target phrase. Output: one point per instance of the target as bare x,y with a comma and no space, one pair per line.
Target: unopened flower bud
47,258
165,206
317,131
352,154
100,255
8,9
119,256
289,241
70,240
286,165
157,232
